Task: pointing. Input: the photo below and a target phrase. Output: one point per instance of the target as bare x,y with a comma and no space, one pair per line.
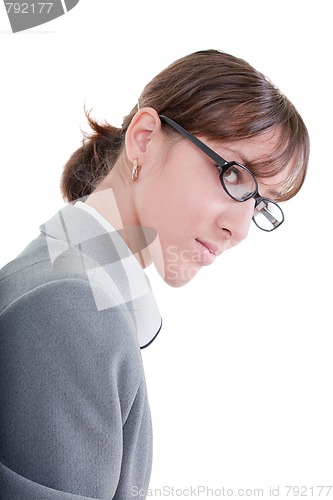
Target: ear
143,129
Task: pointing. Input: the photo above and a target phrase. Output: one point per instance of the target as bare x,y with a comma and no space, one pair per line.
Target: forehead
250,151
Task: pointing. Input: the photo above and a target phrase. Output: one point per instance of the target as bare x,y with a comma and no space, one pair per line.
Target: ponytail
92,161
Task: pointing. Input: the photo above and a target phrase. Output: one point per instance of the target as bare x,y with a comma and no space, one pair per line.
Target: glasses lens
268,215
239,183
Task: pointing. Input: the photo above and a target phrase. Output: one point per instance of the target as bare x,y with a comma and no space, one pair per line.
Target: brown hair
212,94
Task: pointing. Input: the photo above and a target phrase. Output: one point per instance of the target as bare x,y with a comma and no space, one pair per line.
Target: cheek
170,206
175,216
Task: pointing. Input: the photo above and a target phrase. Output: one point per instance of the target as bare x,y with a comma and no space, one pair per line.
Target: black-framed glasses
238,182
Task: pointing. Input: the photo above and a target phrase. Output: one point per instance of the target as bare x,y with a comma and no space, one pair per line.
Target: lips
207,252
213,249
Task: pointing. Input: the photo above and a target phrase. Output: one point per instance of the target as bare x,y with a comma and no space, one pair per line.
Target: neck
116,205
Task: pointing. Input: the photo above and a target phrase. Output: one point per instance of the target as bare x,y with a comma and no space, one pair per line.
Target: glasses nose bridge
257,198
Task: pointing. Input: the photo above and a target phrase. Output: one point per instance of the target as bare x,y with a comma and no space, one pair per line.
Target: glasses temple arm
201,145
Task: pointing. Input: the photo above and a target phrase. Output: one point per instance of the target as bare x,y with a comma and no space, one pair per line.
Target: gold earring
135,170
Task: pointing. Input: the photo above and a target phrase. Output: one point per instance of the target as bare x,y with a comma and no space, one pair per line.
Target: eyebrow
274,194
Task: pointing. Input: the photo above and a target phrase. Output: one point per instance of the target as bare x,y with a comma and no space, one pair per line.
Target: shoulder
59,320
55,334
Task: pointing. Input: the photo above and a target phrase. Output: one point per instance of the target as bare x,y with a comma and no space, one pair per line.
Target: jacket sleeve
70,385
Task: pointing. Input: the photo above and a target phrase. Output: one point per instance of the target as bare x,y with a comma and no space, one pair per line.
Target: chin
179,277
174,270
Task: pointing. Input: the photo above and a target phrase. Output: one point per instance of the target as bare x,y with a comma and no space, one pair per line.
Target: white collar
110,264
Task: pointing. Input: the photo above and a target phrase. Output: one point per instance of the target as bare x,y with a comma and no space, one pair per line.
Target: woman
210,146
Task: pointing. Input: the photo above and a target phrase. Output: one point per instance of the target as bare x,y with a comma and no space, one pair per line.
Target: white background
240,379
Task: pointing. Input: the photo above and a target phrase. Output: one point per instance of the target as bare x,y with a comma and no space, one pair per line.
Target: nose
235,219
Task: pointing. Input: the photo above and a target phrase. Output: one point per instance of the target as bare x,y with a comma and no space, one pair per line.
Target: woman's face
183,200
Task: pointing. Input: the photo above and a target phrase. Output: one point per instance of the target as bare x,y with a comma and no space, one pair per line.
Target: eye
233,176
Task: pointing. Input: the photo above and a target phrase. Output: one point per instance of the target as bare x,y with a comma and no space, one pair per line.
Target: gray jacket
74,415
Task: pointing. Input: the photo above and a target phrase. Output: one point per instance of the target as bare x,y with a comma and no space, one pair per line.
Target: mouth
208,252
